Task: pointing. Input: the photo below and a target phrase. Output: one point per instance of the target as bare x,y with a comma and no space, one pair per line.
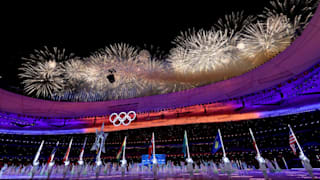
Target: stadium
238,101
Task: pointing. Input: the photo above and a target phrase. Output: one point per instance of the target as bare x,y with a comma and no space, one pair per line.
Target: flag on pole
254,142
52,153
65,158
292,142
35,160
123,146
82,149
184,144
217,144
150,149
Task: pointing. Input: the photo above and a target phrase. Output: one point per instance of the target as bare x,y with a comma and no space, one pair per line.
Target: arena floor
240,175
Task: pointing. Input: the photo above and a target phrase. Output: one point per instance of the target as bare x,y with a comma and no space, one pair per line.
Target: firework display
43,78
202,51
301,10
235,22
236,44
267,39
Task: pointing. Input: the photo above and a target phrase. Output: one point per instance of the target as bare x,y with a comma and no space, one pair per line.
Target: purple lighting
281,86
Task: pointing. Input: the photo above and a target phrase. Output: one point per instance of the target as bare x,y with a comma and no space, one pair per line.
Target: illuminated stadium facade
277,80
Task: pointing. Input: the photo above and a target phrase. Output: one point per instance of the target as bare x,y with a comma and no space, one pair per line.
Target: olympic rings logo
122,118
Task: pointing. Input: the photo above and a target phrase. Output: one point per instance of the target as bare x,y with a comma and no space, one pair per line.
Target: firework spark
46,54
42,71
154,75
301,10
268,38
114,72
235,22
43,79
120,52
198,52
74,70
151,52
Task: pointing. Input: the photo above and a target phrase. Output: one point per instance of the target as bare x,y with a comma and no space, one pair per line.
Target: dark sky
82,29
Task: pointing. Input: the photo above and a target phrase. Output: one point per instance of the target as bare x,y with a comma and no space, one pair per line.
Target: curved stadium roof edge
299,56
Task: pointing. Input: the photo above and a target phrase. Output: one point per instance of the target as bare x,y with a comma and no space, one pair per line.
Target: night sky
82,29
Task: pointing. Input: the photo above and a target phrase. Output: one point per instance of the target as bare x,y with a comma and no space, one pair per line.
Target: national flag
254,143
82,149
123,146
35,160
65,158
52,153
217,144
292,142
184,144
150,149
